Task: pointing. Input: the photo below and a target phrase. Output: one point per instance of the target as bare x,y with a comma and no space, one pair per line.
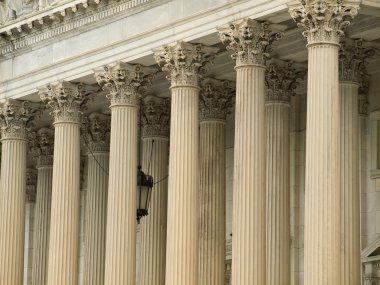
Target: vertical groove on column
351,260
182,235
13,187
278,194
96,214
322,192
153,226
249,217
42,225
121,209
212,235
64,227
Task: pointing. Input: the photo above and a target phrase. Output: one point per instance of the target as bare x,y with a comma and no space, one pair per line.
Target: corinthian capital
41,146
66,100
124,83
31,181
249,40
282,80
14,117
216,99
353,60
185,63
324,21
155,117
96,130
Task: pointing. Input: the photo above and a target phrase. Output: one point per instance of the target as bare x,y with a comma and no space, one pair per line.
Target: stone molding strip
47,25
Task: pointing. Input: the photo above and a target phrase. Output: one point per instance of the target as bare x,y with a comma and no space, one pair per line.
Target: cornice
59,21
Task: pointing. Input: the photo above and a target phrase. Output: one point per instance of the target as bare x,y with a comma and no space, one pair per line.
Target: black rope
92,154
166,177
150,158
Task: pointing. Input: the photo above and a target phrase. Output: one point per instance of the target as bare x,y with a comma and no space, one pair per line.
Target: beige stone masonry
14,116
184,63
65,100
155,156
353,57
215,103
42,150
95,135
281,81
324,22
249,41
124,84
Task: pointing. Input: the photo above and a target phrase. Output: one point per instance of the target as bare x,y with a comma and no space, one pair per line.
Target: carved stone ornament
15,117
249,40
353,60
155,117
185,63
66,100
216,99
96,130
324,21
125,83
41,146
281,79
31,182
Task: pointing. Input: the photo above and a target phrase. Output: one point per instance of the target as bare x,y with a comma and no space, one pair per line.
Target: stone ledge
45,26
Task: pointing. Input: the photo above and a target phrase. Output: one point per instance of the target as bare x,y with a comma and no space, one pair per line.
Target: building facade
258,120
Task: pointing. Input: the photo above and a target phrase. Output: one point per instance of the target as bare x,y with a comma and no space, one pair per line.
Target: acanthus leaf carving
353,60
249,40
67,100
156,117
185,63
282,79
96,129
216,99
15,117
125,83
41,146
324,21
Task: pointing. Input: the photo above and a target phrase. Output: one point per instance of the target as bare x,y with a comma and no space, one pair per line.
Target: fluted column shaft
12,205
64,227
350,194
249,219
212,235
42,224
278,193
153,226
322,195
66,101
182,239
120,263
96,214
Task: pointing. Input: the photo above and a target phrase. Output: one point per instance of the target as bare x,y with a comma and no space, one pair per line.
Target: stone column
42,150
215,103
323,21
124,84
96,131
155,155
66,100
281,79
352,67
184,62
250,41
14,116
30,206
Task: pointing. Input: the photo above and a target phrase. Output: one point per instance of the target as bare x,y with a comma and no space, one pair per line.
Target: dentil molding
57,21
